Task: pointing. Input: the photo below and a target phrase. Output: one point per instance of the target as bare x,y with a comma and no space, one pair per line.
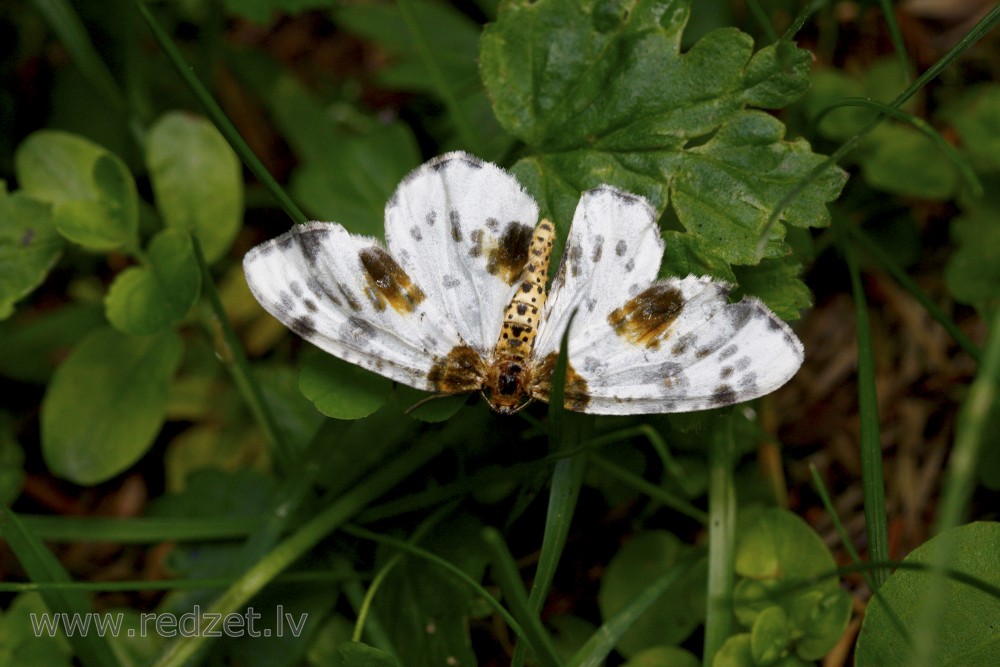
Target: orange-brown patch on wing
508,257
646,318
388,283
576,393
460,371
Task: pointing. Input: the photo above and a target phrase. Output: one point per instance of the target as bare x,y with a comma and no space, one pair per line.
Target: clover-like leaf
93,193
342,390
601,93
29,247
106,403
972,273
147,299
197,180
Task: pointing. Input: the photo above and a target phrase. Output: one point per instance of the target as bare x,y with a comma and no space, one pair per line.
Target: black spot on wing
416,234
358,330
304,326
595,255
311,241
621,247
724,395
456,226
430,218
450,282
296,288
728,351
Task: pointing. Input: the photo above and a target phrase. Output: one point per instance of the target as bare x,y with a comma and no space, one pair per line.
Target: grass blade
43,567
507,574
721,538
872,480
293,547
218,116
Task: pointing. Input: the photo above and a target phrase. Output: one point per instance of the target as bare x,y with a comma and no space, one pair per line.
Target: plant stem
721,539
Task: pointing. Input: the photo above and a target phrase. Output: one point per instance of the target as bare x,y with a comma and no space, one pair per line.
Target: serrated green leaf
93,194
342,390
197,180
146,299
687,254
676,614
967,630
29,247
106,403
602,94
776,282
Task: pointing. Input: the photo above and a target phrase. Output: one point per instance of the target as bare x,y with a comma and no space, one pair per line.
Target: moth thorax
520,318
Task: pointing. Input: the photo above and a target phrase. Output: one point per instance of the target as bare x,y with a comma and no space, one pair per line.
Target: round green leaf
147,299
342,390
57,166
197,180
777,548
676,614
735,652
356,654
771,636
966,631
29,247
93,192
106,403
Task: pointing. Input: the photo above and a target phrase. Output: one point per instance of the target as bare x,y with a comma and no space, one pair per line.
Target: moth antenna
423,401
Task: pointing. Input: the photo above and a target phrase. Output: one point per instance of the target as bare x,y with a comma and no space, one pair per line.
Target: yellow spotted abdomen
520,318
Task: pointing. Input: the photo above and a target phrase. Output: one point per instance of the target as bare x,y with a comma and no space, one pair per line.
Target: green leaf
345,176
342,390
29,247
19,643
57,167
197,180
686,254
602,94
735,652
106,404
901,160
425,609
771,635
34,342
777,547
972,273
93,194
967,630
776,282
663,656
671,618
976,117
148,299
356,654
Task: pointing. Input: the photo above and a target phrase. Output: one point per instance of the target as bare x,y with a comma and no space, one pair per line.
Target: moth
456,301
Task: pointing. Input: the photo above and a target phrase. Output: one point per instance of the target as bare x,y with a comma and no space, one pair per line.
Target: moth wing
461,228
345,294
640,345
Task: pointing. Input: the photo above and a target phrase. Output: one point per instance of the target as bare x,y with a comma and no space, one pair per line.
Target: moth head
506,386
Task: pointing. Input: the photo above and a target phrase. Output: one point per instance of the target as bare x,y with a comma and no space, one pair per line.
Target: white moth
456,302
